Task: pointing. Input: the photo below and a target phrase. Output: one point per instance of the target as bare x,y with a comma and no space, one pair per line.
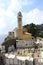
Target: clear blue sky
32,11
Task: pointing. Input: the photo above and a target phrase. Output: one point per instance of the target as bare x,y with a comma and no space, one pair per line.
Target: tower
19,20
20,29
21,35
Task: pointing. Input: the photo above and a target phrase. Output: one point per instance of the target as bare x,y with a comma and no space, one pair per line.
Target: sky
32,12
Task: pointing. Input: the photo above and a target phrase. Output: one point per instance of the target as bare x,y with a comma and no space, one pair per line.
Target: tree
41,34
33,29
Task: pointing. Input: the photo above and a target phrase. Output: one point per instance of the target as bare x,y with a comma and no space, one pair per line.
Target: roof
19,13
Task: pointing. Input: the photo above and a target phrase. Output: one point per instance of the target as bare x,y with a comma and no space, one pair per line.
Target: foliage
35,30
41,34
32,29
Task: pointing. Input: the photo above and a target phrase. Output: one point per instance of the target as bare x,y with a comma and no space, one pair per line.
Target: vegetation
35,30
41,34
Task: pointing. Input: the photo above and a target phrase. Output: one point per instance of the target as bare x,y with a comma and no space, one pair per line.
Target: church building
20,33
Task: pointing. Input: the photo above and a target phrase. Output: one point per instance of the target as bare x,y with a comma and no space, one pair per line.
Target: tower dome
19,14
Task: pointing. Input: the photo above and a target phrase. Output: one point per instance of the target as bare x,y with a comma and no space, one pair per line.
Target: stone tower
20,29
21,34
19,20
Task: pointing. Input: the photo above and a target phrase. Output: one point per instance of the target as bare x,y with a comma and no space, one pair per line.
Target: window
19,19
9,33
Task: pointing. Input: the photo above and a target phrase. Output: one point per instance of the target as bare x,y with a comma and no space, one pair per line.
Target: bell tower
20,29
19,20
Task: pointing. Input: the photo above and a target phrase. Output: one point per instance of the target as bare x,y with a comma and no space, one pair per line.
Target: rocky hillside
8,43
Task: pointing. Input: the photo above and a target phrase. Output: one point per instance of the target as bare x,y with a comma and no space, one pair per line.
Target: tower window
19,19
10,33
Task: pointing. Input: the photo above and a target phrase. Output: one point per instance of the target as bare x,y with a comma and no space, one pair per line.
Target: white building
40,41
11,34
16,32
11,59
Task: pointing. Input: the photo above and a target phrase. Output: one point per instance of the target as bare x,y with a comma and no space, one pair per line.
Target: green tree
33,29
41,34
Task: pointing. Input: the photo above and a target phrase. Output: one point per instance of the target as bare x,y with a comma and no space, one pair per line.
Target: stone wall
25,43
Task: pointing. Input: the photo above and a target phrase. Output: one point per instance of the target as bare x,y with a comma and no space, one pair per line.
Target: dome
19,13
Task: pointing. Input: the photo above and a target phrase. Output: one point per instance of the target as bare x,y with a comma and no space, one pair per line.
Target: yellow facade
27,36
21,35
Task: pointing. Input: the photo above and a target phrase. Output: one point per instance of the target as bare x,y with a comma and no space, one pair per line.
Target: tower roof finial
19,13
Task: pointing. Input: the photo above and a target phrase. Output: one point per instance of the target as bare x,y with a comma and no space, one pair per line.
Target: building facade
22,35
19,32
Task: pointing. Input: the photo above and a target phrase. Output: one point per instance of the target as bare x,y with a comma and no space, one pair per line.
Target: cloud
28,2
2,25
34,16
14,6
1,4
2,12
8,14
